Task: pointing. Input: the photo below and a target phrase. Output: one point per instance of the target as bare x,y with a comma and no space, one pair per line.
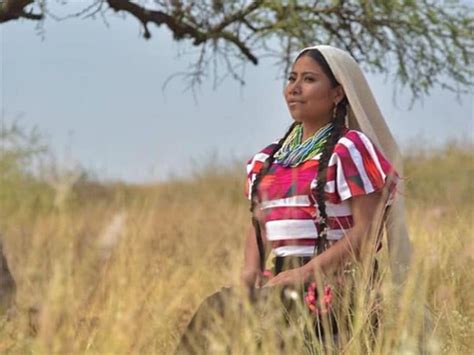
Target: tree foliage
422,43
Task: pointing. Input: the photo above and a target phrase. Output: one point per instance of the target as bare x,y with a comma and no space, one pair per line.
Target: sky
94,91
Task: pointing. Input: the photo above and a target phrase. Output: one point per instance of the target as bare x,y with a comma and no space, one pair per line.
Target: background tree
422,43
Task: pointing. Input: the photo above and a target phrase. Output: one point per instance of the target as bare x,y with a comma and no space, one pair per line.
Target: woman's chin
296,118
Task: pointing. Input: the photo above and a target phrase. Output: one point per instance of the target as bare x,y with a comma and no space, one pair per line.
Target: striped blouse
288,207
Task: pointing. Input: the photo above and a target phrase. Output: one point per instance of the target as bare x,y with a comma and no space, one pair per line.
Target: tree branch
183,30
421,42
179,29
237,16
15,9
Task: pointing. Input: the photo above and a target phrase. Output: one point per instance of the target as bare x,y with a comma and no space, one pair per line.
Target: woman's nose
295,88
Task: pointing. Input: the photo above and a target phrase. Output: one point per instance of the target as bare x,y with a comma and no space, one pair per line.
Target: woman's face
309,93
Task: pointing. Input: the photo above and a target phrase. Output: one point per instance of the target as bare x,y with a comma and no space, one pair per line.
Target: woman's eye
309,79
291,78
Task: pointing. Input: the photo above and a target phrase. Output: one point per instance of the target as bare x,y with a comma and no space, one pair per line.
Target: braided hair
340,111
254,195
339,114
266,166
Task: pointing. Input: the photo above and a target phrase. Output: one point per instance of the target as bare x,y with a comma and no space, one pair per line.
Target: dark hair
266,165
319,58
254,196
339,125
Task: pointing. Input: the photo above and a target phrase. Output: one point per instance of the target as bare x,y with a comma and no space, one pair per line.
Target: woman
325,185
324,85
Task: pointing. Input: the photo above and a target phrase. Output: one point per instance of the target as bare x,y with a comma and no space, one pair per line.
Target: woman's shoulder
354,140
353,136
359,166
259,158
255,164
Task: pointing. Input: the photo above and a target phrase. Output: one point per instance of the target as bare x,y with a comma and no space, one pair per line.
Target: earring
334,112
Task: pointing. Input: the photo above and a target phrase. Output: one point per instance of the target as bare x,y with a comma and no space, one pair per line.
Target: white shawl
364,115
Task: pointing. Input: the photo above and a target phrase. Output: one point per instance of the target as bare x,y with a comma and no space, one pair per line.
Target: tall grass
121,268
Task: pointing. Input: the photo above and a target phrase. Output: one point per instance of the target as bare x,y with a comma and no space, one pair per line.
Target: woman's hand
294,276
251,278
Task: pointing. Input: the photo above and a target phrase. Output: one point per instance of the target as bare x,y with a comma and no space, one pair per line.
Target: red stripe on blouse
369,165
280,213
283,182
351,174
285,242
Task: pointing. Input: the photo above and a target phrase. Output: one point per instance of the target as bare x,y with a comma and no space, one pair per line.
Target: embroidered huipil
288,207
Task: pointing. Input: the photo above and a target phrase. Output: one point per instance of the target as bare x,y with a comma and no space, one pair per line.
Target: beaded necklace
293,152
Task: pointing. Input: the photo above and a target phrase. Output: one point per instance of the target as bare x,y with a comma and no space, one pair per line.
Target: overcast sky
95,92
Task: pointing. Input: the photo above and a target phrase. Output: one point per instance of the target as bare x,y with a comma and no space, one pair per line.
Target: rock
7,283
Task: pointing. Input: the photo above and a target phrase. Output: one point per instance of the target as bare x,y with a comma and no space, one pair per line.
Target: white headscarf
364,115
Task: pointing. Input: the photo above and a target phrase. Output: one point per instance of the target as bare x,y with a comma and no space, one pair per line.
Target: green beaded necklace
293,151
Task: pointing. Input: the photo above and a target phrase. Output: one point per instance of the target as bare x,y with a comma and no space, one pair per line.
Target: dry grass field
121,268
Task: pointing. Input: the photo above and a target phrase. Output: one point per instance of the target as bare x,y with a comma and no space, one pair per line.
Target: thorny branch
15,9
421,43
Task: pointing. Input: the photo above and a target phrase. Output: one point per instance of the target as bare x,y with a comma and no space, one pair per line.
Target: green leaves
423,43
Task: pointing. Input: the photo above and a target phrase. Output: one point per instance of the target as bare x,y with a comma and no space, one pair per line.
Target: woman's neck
310,128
